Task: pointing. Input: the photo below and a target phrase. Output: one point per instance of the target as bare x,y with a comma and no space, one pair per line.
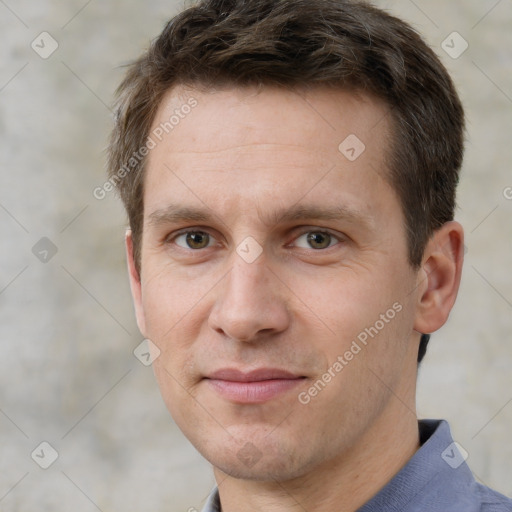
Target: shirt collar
436,478
213,502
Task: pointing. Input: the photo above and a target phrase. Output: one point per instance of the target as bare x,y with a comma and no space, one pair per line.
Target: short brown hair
303,44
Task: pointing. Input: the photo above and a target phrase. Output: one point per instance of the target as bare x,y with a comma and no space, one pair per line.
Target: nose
251,304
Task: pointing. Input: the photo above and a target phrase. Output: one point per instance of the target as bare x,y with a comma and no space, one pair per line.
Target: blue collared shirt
436,479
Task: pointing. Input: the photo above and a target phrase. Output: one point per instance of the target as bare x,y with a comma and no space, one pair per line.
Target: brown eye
193,240
319,240
198,240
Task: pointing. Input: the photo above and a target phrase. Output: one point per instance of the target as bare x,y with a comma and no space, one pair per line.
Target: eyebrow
178,213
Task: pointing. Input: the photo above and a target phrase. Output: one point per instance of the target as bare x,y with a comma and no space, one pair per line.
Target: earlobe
135,283
440,275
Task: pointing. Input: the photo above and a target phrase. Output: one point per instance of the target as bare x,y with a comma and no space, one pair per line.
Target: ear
439,277
135,283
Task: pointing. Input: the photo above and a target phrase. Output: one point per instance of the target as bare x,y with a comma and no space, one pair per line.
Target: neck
341,484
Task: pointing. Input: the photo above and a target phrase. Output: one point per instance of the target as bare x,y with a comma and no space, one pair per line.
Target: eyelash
172,238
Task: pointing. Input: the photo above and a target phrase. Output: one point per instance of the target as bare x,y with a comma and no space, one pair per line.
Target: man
289,172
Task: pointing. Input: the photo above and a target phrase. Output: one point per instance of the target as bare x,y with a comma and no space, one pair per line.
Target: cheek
173,385
366,319
169,300
174,314
345,302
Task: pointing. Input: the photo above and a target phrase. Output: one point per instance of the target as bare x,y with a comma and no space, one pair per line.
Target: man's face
269,254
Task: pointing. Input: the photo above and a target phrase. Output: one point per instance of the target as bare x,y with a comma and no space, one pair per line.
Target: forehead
319,116
264,145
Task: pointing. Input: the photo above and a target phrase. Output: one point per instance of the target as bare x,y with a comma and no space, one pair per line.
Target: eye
194,240
316,240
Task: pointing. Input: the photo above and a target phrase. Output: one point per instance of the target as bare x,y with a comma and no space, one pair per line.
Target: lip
253,387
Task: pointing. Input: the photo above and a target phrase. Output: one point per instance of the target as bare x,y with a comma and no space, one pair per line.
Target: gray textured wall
67,333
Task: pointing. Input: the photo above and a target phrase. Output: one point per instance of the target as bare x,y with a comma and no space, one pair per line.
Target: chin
260,460
265,470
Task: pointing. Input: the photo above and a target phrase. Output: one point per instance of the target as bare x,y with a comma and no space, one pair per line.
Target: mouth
254,387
